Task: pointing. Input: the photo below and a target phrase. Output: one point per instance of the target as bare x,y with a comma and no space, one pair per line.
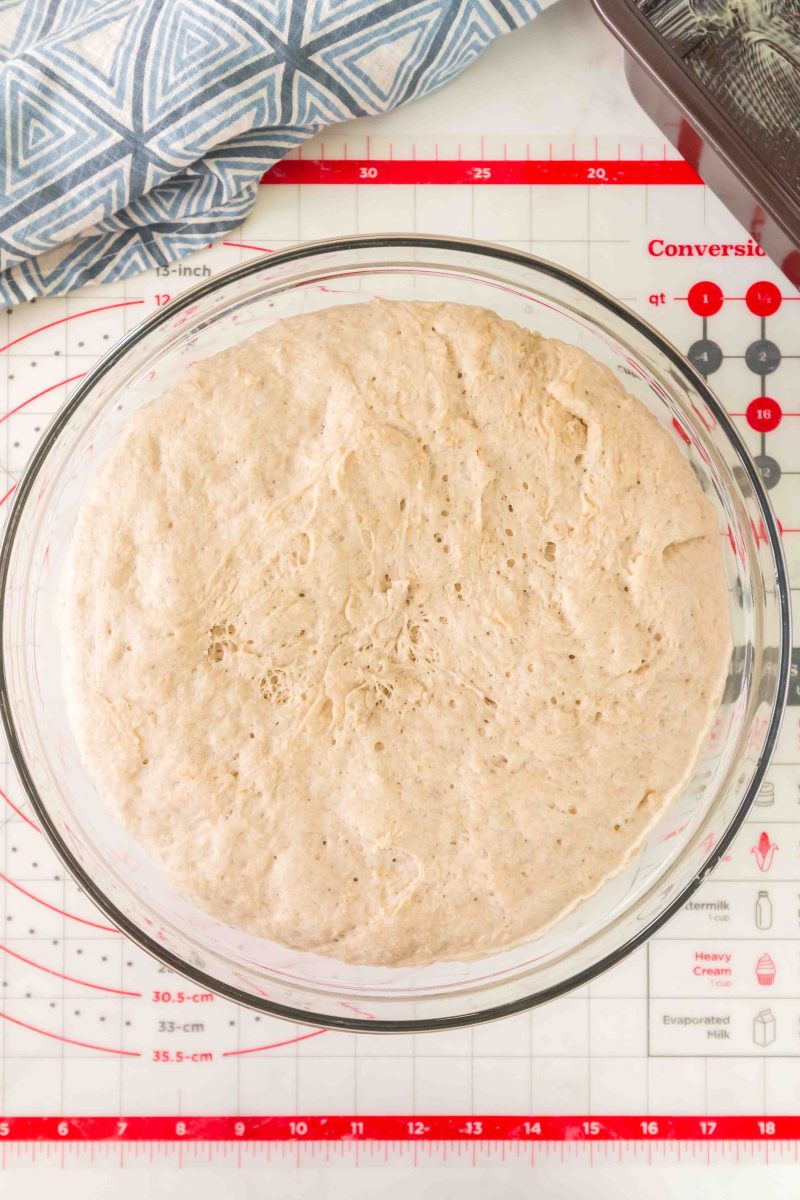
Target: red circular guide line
246,246
87,312
3,796
61,912
526,1128
274,1045
43,392
100,987
481,172
58,1037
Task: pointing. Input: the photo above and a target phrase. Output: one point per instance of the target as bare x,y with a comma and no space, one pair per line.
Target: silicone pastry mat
682,1049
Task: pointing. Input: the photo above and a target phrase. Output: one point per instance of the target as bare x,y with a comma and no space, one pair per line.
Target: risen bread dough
390,631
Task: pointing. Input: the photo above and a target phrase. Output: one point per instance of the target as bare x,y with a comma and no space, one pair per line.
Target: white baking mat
652,1061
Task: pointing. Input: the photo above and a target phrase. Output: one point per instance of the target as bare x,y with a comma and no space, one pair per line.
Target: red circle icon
705,298
763,298
764,414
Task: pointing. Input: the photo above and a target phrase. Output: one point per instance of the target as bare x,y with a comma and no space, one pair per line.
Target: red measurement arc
87,312
681,432
247,246
274,1045
58,1037
43,392
61,912
8,800
100,987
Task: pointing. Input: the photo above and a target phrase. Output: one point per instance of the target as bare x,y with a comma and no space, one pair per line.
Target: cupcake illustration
765,970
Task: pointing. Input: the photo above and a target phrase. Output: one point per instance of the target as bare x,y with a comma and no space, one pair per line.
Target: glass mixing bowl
679,851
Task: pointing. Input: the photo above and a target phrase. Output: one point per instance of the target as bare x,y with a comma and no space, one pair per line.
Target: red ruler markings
475,171
348,1129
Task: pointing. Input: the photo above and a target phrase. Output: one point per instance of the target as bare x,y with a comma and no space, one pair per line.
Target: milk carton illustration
764,1028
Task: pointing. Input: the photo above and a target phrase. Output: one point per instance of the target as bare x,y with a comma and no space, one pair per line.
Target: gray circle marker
705,356
769,470
763,357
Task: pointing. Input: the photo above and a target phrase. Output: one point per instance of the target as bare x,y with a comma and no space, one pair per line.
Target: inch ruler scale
684,1052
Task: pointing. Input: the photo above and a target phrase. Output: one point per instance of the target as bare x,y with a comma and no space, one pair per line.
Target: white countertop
562,74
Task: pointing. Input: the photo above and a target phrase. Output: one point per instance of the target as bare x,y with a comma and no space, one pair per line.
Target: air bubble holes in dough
221,638
273,687
301,549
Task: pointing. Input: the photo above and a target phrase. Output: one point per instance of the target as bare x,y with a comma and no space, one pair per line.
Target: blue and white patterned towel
135,131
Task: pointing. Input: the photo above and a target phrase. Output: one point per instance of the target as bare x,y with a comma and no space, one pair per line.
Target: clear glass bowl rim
265,265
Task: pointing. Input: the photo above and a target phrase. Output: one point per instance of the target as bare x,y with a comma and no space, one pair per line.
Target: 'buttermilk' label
658,248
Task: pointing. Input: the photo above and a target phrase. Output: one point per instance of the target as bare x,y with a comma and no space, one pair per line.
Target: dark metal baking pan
753,183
